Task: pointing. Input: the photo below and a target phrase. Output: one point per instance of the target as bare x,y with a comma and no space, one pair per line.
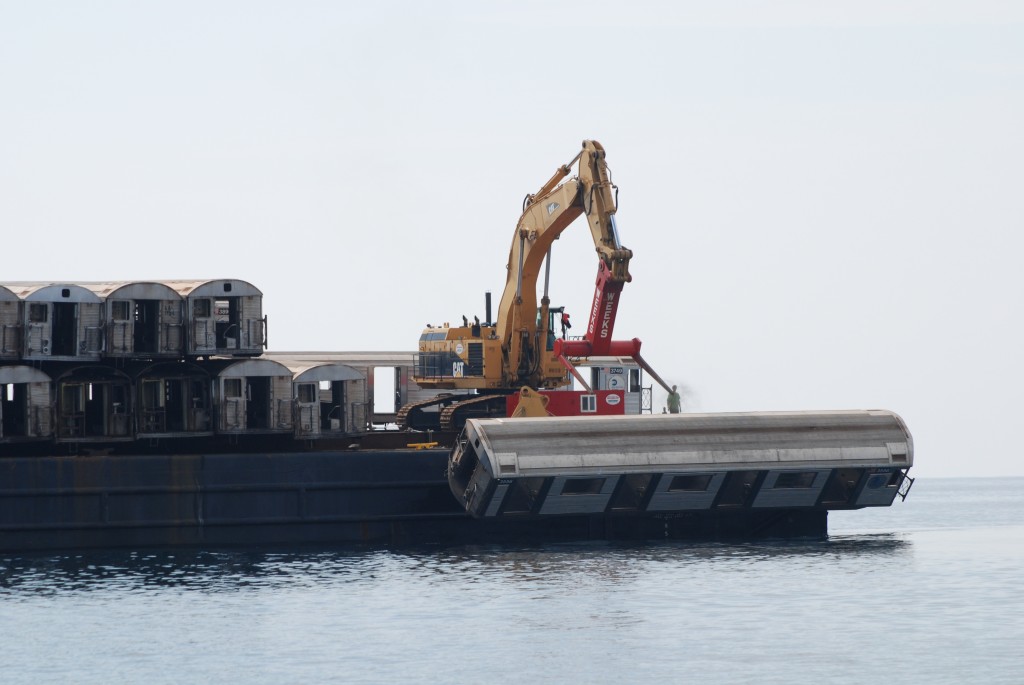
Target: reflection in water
855,608
197,570
237,571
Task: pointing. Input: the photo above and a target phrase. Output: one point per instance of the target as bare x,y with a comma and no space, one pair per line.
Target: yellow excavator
520,349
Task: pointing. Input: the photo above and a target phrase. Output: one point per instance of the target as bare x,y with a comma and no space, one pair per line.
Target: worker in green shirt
673,401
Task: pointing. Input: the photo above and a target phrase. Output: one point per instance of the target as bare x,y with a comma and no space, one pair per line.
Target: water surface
928,591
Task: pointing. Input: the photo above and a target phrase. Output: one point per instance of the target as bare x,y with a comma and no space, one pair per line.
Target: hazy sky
824,200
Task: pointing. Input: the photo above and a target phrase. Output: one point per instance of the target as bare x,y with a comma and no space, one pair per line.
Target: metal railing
647,400
904,488
154,420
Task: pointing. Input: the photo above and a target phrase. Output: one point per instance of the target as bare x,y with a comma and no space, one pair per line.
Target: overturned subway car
661,464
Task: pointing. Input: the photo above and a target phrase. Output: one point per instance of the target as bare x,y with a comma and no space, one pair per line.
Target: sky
824,200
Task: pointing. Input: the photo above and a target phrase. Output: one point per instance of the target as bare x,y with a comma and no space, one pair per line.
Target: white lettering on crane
609,310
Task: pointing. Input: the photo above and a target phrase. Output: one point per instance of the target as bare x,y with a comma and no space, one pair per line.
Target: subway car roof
134,290
369,358
314,372
22,374
143,290
254,368
52,292
231,287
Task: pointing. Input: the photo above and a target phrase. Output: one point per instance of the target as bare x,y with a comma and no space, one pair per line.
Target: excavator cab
557,320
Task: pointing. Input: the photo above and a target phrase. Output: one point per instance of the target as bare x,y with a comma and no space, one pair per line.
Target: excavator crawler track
453,416
414,415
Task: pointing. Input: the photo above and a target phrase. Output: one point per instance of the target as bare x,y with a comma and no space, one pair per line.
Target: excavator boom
547,213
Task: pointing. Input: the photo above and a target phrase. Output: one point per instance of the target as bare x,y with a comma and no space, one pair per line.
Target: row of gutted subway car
130,364
139,414
130,320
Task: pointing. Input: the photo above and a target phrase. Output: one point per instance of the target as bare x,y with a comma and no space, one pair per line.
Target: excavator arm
546,214
599,205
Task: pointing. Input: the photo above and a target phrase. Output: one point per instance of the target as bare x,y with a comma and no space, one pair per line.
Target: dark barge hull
384,496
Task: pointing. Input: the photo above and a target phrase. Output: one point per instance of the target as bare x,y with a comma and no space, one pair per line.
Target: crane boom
547,213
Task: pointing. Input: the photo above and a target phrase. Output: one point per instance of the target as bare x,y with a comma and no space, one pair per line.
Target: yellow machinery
520,348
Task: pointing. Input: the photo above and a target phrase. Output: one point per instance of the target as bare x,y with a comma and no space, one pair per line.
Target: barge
149,414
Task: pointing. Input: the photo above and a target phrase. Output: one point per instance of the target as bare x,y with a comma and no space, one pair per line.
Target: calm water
928,591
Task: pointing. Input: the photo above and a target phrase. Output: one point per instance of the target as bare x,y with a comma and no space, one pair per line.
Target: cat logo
552,207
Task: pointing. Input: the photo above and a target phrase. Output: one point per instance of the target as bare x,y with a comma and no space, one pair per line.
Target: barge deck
147,414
